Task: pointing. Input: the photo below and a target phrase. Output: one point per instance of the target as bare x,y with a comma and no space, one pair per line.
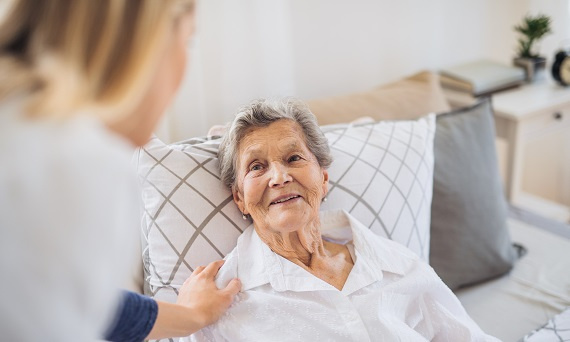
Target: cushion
189,216
382,173
470,242
556,329
409,98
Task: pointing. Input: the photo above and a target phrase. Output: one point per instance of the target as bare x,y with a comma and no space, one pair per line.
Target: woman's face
165,82
279,181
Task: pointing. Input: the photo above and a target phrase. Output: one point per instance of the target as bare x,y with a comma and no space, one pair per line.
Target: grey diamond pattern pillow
556,329
382,174
189,216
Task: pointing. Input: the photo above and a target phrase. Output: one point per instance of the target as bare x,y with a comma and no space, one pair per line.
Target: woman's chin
287,221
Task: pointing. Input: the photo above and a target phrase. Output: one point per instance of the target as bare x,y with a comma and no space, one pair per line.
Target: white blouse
69,209
390,295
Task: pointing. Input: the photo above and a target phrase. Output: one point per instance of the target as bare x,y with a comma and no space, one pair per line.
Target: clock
561,67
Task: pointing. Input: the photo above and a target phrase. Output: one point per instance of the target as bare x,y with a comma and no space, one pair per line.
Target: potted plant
532,29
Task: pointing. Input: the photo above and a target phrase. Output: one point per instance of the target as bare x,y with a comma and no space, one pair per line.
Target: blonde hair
70,56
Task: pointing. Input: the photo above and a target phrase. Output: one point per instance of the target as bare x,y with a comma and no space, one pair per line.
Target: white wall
559,11
341,48
256,48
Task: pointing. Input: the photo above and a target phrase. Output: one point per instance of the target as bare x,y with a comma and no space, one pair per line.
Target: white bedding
535,290
557,329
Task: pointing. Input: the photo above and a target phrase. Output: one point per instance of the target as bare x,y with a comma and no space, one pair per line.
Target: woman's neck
305,247
298,246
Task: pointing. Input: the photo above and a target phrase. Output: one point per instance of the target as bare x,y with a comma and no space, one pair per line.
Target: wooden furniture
533,145
534,121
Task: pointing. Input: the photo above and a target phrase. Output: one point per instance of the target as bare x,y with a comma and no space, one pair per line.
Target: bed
536,290
507,267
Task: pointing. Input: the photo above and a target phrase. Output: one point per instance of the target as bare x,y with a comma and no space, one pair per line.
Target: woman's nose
279,175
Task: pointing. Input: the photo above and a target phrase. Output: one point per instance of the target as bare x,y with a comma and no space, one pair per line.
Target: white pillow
381,173
189,216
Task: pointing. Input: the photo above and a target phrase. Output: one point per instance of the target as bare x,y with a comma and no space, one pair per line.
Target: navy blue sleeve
134,319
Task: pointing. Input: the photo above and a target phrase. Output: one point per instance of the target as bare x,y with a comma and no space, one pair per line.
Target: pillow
189,216
470,242
382,173
556,329
409,98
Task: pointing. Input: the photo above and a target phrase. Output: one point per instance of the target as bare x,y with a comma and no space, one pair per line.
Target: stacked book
481,77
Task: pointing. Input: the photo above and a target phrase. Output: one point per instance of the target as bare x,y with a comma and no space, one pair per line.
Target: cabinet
533,145
533,122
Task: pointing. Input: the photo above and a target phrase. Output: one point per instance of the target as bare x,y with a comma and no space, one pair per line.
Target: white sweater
69,216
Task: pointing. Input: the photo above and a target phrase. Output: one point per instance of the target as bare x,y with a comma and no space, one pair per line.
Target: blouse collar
259,265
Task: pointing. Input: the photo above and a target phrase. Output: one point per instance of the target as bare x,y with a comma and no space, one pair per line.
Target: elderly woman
311,276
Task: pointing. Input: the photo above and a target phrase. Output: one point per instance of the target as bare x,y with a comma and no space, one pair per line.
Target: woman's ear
238,199
325,182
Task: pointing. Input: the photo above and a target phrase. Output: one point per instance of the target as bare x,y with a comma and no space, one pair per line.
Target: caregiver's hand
200,293
200,303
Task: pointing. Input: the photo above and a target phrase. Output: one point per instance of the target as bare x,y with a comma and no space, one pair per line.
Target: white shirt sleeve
448,316
204,335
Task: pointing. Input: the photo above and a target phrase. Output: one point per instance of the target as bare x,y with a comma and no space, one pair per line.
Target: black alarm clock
561,67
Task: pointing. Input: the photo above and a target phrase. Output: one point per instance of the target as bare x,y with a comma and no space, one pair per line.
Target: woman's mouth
284,199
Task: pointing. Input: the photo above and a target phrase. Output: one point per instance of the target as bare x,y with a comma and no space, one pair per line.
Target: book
481,77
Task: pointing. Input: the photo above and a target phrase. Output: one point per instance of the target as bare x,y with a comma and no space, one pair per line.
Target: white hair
261,113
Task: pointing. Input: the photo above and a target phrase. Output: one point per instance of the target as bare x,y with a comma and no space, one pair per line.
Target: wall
559,11
378,41
259,48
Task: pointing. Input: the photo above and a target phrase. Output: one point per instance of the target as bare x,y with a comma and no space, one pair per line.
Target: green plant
532,29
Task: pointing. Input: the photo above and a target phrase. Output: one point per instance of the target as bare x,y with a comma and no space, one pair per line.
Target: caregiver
82,83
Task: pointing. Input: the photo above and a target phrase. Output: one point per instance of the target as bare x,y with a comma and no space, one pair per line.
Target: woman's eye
294,158
255,167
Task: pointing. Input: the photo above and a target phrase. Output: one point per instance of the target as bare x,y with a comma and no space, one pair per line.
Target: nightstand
533,145
534,122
